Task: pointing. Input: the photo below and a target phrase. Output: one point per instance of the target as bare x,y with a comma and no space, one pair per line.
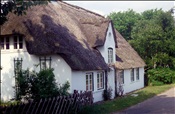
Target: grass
126,101
9,103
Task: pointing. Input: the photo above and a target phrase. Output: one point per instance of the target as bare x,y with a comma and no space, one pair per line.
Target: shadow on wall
8,77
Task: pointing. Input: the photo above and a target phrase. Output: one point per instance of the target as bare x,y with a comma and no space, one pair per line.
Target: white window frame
5,44
110,55
132,75
100,80
89,82
137,74
121,76
18,42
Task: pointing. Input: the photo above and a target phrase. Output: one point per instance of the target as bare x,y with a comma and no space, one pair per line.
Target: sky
106,7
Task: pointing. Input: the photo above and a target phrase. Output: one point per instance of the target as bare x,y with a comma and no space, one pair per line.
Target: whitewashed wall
62,70
79,83
111,81
109,43
129,86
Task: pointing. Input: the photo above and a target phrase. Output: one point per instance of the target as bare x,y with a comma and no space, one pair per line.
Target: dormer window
18,42
109,34
5,43
110,55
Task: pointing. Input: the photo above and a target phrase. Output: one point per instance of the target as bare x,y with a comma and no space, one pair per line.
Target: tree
17,7
154,38
125,21
151,33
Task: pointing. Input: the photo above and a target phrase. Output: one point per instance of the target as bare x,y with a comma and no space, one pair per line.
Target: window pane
7,43
20,42
110,55
2,43
15,42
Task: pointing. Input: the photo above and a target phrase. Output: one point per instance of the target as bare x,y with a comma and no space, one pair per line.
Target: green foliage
161,76
44,85
107,94
125,21
121,103
17,7
9,103
23,86
33,85
151,34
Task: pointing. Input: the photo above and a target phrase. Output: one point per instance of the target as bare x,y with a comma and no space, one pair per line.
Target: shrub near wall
160,76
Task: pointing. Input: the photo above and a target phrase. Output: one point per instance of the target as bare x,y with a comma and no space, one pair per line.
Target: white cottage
80,45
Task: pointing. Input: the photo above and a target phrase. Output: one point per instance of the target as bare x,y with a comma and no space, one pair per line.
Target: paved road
161,104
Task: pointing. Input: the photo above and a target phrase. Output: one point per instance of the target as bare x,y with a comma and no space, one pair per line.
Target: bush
107,94
160,76
33,85
44,85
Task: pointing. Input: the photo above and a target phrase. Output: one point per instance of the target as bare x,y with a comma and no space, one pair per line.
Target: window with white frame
132,75
110,55
18,42
121,75
5,43
89,82
137,74
100,80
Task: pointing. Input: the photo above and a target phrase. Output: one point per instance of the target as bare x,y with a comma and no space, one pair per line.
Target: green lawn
126,101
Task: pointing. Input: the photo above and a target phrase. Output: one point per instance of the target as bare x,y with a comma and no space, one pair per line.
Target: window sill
99,90
132,82
137,80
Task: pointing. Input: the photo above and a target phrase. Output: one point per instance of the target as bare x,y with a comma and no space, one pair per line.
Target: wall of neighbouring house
62,70
79,83
129,86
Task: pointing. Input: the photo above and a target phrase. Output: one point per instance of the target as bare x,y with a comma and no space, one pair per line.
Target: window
132,75
100,80
5,43
110,55
18,42
45,63
89,82
121,75
137,74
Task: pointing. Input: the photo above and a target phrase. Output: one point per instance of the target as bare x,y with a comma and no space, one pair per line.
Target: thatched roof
60,28
126,56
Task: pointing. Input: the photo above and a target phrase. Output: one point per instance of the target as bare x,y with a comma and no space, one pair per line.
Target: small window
100,80
15,42
45,63
89,82
137,73
18,42
110,55
5,43
132,75
2,43
121,75
109,34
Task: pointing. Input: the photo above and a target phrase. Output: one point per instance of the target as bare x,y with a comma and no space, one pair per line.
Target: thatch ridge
75,6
